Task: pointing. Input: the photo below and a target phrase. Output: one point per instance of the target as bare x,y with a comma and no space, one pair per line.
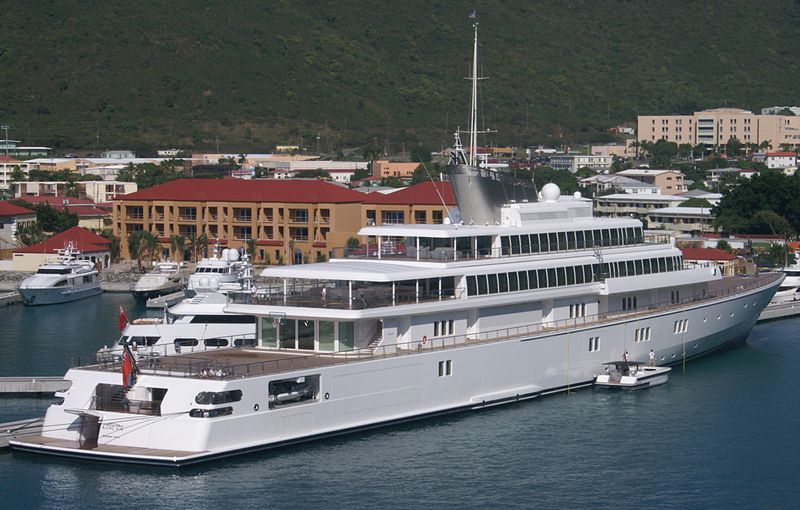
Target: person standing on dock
625,356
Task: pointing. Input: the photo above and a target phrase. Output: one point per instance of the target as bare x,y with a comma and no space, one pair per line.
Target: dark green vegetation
767,203
246,75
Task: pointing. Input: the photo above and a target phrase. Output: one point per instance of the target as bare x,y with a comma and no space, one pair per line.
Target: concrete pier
32,385
9,298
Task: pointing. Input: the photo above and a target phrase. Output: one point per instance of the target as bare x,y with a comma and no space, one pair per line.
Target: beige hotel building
715,127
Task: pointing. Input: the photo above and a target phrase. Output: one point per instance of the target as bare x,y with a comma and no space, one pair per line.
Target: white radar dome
232,255
576,195
550,192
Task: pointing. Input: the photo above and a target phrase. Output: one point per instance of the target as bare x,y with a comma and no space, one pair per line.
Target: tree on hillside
733,147
53,220
565,180
426,172
663,152
392,182
360,173
685,150
724,245
30,233
772,191
696,202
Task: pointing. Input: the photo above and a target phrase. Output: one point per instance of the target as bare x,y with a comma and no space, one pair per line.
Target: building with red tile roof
12,218
291,220
92,247
89,214
711,256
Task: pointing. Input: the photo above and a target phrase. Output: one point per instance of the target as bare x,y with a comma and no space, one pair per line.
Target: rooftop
7,209
256,190
82,239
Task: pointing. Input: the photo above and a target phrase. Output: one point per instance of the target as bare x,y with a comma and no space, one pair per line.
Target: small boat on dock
631,375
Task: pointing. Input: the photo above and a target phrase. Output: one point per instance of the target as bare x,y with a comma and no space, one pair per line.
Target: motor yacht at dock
67,279
506,301
224,271
165,278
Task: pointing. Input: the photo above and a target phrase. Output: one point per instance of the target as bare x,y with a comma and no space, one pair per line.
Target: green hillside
92,75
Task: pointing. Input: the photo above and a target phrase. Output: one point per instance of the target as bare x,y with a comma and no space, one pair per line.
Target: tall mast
473,115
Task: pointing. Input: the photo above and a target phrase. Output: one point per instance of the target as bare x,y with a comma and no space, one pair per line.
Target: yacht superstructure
68,279
223,271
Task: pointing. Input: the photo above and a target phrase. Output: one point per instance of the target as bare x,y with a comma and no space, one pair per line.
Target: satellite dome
550,192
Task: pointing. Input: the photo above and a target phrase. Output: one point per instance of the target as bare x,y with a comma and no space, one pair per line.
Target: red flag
122,319
127,367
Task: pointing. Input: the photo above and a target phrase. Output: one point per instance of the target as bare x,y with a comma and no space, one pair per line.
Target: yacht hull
411,386
56,295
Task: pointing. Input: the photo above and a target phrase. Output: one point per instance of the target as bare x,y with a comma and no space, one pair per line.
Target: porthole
327,395
673,356
731,314
255,407
745,305
719,317
705,320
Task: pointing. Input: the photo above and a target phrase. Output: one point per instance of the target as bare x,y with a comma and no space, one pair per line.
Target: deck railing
195,366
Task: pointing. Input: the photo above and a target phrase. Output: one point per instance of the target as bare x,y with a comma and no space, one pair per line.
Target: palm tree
202,243
177,243
251,248
149,245
134,248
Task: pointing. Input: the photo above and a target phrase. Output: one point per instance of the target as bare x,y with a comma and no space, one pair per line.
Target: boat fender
424,340
255,407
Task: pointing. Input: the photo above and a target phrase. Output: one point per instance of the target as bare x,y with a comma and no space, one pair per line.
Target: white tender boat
631,375
506,302
165,278
68,279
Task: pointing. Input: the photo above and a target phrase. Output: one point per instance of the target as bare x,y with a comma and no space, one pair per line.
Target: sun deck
234,363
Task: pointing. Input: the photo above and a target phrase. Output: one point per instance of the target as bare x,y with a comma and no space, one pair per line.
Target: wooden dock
32,385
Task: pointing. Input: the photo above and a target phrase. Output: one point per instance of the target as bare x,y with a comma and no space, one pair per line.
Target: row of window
570,275
577,311
641,335
443,328
446,368
577,240
680,326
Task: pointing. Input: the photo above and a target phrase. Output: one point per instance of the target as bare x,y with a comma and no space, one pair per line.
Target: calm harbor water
721,434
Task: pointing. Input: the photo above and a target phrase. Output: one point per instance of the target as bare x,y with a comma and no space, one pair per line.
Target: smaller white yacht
165,278
631,375
68,279
223,272
789,290
194,324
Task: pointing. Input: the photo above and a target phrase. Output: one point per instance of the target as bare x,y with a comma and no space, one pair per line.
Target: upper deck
236,363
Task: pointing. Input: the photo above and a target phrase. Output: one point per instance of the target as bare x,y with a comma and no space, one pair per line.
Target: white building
574,162
118,154
7,166
637,204
781,160
690,220
604,182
